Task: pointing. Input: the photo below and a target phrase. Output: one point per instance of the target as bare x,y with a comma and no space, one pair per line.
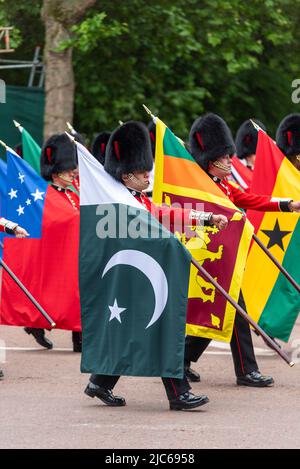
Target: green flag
133,282
31,150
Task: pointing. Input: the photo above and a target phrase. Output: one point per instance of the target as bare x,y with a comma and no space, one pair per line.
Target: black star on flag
276,236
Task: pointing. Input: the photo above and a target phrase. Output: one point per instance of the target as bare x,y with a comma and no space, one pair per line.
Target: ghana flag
271,300
179,179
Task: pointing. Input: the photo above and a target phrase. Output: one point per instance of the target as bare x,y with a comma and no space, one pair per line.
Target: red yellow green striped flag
271,300
179,179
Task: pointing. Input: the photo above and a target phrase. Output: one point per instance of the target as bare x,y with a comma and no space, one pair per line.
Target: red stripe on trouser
173,386
239,349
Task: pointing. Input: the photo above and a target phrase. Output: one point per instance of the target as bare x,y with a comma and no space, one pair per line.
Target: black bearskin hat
246,138
58,155
210,138
99,146
152,133
288,135
19,149
128,150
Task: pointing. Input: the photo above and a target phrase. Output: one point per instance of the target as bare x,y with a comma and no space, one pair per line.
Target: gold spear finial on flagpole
71,128
149,112
7,148
70,137
18,125
256,126
3,144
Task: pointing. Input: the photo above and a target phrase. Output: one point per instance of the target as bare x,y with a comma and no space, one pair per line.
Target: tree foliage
181,58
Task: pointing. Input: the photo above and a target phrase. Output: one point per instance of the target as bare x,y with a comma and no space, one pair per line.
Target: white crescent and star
151,269
115,311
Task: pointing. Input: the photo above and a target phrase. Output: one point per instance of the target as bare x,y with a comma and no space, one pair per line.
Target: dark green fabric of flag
123,344
26,106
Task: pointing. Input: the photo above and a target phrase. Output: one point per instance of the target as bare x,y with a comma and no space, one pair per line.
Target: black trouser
76,337
241,346
173,386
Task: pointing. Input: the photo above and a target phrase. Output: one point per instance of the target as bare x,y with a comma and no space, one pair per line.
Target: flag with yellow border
180,180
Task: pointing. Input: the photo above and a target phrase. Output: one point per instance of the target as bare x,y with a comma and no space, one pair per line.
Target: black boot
77,341
191,374
1,374
188,401
255,379
105,395
39,335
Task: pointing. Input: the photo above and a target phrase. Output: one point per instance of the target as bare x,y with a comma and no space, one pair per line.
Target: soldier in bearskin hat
211,145
99,146
246,142
59,166
288,138
129,160
59,161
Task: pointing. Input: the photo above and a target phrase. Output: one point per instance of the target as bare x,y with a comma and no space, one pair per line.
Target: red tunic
164,214
69,195
1,226
247,200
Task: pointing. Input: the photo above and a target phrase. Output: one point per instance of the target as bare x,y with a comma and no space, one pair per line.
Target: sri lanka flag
47,263
271,300
179,179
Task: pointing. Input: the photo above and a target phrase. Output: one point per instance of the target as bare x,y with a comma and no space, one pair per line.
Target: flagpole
7,148
243,313
278,265
18,125
149,112
27,293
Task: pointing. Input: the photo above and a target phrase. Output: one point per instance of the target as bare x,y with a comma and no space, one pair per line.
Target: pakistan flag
133,280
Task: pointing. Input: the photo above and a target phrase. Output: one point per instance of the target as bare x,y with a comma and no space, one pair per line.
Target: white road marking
32,349
225,350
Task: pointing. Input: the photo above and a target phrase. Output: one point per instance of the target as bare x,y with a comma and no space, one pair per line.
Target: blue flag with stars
3,175
3,172
26,192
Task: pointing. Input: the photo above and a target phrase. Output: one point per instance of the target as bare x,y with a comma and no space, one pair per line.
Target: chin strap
222,166
64,179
